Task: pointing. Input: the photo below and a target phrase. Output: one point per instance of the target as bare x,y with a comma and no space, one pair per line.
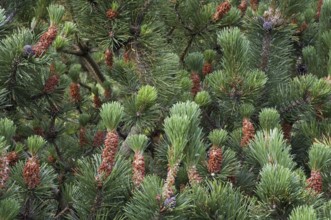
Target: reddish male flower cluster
207,68
51,83
221,10
4,171
138,168
196,83
12,158
254,4
82,137
109,59
248,132
193,175
31,172
170,181
99,138
75,92
215,160
243,6
108,154
319,8
97,101
45,41
315,181
287,129
111,14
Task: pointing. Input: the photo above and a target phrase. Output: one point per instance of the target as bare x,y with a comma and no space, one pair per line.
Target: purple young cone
267,25
170,202
28,51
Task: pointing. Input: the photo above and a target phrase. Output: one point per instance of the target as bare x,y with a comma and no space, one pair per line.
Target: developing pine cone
138,169
96,101
315,181
254,4
243,6
111,14
170,181
215,160
221,10
45,41
98,139
248,132
12,158
31,173
4,171
108,154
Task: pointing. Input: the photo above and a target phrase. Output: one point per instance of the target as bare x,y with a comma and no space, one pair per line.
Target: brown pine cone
193,175
31,172
109,58
138,169
248,132
96,101
207,68
51,83
221,10
45,41
74,92
315,182
243,6
215,160
108,154
4,171
111,14
12,158
196,83
254,4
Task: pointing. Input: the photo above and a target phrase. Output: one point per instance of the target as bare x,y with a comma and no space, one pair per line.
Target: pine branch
189,43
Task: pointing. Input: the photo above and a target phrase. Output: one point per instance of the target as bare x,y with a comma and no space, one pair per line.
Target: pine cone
248,132
108,154
207,68
138,168
215,160
12,158
193,175
45,41
111,14
74,92
109,58
315,181
196,83
221,10
243,6
51,83
98,139
31,172
254,4
4,171
96,101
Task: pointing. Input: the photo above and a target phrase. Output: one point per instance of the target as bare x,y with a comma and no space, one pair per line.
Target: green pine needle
137,142
56,13
111,114
146,97
269,118
303,213
218,137
7,129
34,143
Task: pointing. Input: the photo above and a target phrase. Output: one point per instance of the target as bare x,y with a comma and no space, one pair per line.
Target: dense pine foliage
165,109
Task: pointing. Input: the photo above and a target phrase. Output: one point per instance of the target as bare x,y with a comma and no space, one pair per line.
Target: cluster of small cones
319,8
138,168
111,14
248,132
254,4
215,160
287,129
82,137
75,92
98,139
4,170
196,83
207,68
12,158
51,83
243,6
315,181
108,154
31,172
170,181
45,41
97,101
221,10
193,175
109,58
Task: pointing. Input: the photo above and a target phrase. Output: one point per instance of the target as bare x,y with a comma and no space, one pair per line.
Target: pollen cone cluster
31,172
45,41
243,6
248,132
170,181
109,58
108,154
207,68
51,83
315,181
215,160
97,101
74,92
193,175
254,4
4,170
138,168
196,83
98,139
221,10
